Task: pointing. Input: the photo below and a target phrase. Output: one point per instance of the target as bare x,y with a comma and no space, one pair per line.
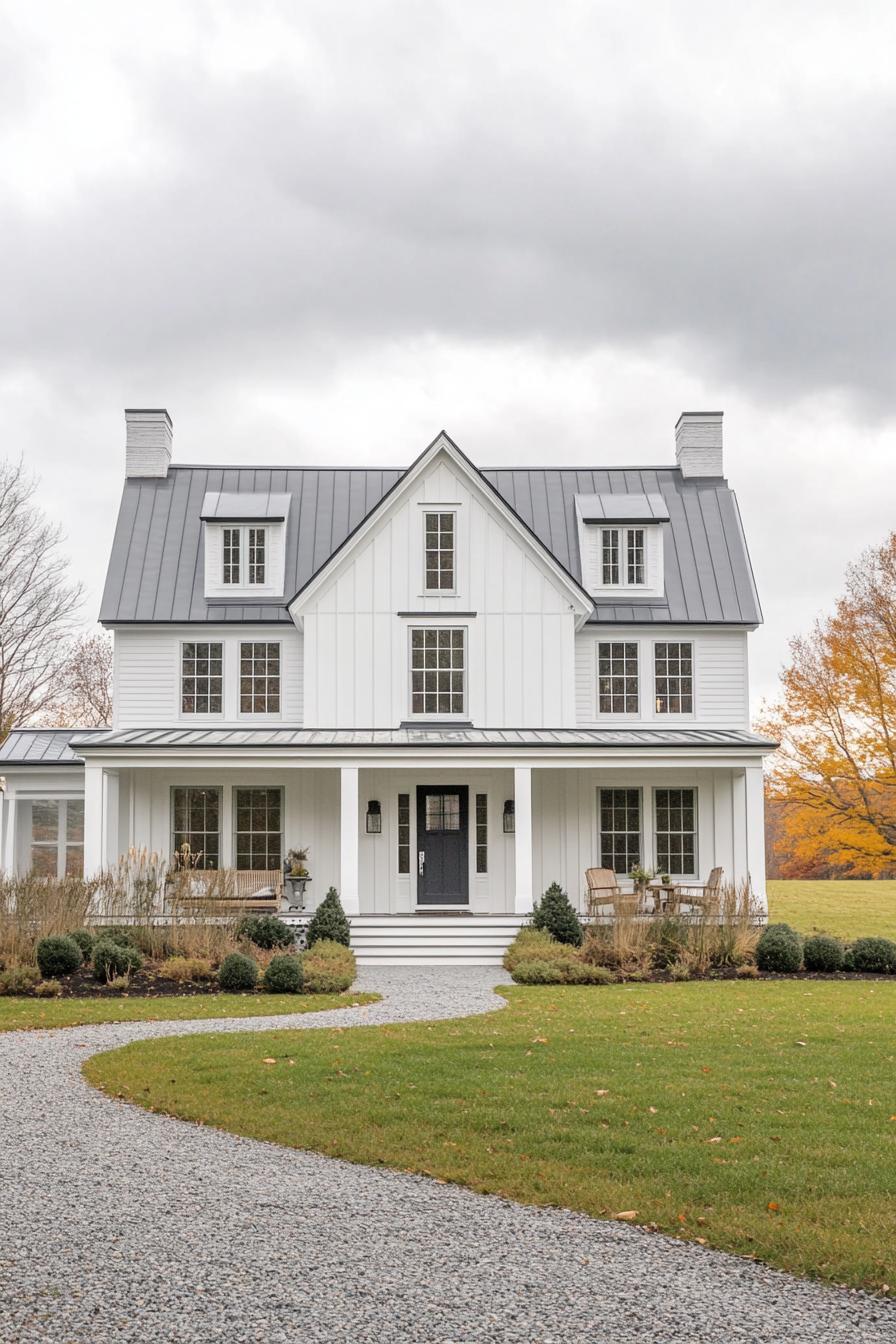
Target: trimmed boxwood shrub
529,945
85,940
265,931
328,923
779,949
329,968
116,933
237,973
57,955
823,953
554,914
875,956
112,960
284,975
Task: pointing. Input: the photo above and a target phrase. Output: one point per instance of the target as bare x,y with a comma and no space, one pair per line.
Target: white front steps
430,940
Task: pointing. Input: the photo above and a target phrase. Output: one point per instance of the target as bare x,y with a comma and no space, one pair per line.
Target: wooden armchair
700,895
603,889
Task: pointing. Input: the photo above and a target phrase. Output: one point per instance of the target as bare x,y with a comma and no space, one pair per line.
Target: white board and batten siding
147,675
721,685
520,641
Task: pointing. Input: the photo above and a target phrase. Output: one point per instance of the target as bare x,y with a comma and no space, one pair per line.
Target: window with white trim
260,678
404,833
244,554
617,678
438,670
439,544
258,828
623,557
674,678
676,831
196,823
57,837
619,828
202,678
482,832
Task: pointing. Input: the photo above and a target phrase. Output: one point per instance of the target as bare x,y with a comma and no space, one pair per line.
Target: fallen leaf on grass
269,1061
627,1215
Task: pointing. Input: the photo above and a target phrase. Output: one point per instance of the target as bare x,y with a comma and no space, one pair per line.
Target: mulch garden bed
146,983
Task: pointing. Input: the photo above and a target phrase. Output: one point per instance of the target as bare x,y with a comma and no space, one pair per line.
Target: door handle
421,859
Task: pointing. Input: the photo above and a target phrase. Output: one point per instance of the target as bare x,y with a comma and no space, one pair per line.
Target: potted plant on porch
295,878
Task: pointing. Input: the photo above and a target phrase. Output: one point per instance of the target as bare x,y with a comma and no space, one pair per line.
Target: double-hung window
196,823
244,556
674,678
439,548
619,827
57,837
260,678
202,678
676,831
438,670
258,828
617,678
623,557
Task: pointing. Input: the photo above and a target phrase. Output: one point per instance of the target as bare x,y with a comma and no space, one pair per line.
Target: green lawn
847,909
30,1014
757,1117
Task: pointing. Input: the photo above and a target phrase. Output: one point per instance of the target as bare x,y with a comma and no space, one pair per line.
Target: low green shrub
47,989
57,955
329,968
112,960
85,940
116,933
534,946
529,945
328,923
283,975
780,949
187,970
237,973
874,956
265,931
581,973
537,973
18,979
555,915
823,953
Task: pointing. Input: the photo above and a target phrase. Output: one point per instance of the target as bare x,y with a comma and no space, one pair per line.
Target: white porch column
94,819
348,843
755,808
522,805
9,858
111,846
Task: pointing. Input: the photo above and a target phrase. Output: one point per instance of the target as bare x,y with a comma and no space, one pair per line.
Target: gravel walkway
118,1225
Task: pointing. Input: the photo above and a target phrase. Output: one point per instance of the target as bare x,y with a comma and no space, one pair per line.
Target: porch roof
46,746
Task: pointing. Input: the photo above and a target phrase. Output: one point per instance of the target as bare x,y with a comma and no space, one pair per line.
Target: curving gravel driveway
118,1225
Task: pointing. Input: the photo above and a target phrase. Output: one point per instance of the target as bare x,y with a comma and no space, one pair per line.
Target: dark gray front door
442,867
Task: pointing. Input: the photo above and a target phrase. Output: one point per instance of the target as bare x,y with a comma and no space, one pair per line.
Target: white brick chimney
698,443
148,443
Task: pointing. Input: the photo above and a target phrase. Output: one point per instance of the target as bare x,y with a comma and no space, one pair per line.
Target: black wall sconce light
374,817
509,817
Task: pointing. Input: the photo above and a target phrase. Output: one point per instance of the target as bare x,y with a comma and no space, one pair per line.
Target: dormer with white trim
245,544
621,544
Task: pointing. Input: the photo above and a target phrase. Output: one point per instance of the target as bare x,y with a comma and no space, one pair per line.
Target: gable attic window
439,552
621,543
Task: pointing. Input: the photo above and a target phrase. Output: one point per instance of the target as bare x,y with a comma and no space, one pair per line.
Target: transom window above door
439,551
438,670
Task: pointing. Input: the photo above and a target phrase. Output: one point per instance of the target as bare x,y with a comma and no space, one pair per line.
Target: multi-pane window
437,671
442,812
482,832
620,829
202,678
57,837
674,678
256,554
196,822
676,831
260,678
404,832
623,552
258,829
231,572
439,547
617,678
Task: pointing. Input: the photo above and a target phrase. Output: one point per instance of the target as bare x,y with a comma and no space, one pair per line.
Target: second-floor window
617,678
439,551
438,671
202,678
260,678
244,556
674,678
623,551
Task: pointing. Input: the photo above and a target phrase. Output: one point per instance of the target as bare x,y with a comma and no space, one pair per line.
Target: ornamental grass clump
237,974
284,975
187,970
265,931
555,915
779,950
874,956
328,967
57,955
823,953
18,979
113,961
328,923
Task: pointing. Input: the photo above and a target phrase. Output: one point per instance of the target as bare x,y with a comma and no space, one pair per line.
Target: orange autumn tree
833,781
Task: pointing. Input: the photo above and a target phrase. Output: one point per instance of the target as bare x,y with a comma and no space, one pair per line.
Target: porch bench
242,888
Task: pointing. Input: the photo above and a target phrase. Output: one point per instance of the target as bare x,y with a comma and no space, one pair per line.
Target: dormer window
244,555
623,552
245,544
621,543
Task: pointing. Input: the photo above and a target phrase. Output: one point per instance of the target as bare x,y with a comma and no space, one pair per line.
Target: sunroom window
57,837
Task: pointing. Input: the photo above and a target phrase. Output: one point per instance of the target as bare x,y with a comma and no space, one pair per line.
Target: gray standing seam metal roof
45,746
156,567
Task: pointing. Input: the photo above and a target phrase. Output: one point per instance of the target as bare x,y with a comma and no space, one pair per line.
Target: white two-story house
453,685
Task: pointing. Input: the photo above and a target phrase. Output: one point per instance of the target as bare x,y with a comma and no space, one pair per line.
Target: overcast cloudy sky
321,232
